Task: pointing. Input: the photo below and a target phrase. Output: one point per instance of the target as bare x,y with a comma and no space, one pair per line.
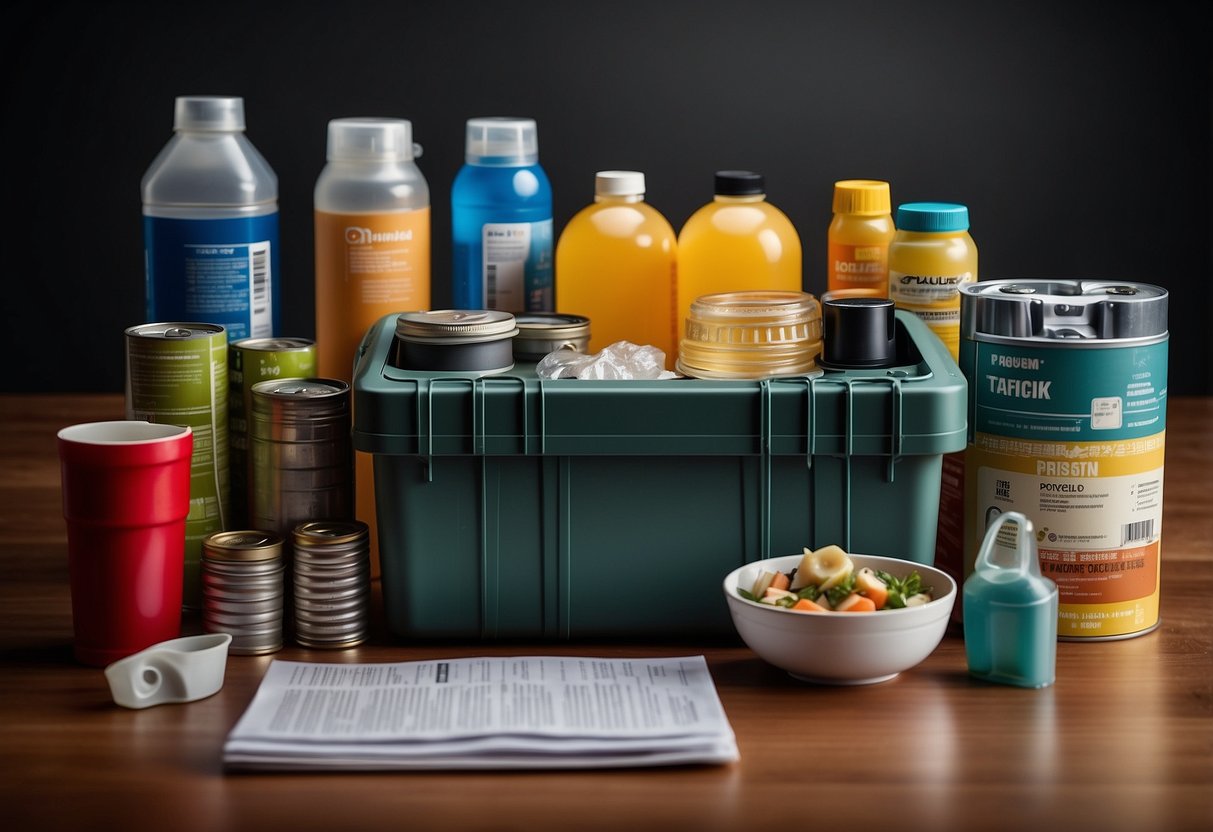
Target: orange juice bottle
859,236
615,264
372,227
737,242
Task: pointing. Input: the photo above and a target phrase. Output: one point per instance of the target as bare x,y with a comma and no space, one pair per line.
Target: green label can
252,360
1067,425
176,374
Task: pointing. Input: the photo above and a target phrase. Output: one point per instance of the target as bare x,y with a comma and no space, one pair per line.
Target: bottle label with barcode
517,266
218,271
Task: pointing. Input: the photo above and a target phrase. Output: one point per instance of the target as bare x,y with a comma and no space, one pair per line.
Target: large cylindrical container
1067,422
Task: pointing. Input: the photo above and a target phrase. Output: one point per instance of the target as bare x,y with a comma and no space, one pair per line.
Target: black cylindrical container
858,333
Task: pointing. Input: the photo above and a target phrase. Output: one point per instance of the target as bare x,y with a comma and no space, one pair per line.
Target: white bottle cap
219,113
371,140
499,140
619,183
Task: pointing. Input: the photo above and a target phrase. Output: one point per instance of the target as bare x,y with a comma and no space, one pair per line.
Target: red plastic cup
126,494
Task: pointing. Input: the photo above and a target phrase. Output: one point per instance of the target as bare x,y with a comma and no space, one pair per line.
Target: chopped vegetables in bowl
909,605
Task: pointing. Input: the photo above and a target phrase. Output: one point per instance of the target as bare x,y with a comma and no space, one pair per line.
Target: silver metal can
250,361
332,583
242,590
541,333
303,456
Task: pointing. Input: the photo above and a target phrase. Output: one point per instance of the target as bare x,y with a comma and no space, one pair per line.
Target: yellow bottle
859,236
931,255
615,264
737,242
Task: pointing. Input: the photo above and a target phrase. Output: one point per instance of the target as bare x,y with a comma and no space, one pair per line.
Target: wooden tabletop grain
1122,740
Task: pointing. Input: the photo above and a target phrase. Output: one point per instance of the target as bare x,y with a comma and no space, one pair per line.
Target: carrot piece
780,581
856,603
870,586
805,605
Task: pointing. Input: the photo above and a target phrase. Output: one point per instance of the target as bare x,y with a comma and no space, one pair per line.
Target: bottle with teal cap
1010,608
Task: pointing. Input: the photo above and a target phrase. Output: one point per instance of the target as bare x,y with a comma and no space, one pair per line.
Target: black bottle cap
739,183
858,333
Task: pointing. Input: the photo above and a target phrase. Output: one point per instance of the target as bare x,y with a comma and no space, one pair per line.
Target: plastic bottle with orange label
859,236
372,226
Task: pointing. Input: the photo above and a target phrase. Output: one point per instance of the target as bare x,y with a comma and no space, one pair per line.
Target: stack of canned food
272,459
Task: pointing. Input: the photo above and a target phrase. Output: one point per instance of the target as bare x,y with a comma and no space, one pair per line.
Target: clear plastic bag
620,360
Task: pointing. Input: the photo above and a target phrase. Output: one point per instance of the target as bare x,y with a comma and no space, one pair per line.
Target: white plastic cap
499,140
371,140
619,183
219,113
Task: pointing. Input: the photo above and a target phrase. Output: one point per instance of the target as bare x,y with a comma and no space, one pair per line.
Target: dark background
1078,133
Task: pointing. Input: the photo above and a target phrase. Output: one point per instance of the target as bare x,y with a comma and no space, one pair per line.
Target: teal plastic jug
1010,609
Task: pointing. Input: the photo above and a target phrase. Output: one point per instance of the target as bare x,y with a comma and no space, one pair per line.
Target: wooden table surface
1122,740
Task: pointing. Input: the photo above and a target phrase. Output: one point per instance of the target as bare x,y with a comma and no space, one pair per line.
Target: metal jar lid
245,545
540,333
1076,312
456,326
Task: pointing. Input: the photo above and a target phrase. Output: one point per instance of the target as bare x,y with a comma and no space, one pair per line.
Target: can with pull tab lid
1067,422
176,374
303,459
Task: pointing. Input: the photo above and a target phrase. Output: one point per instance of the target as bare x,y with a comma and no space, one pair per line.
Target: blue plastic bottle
501,219
210,223
1010,609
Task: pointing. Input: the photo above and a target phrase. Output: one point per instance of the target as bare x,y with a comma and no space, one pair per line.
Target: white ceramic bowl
842,648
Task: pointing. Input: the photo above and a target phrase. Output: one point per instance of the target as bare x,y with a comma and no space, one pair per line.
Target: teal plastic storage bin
515,507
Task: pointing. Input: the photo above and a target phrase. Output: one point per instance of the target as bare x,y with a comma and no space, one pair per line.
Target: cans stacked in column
332,578
242,590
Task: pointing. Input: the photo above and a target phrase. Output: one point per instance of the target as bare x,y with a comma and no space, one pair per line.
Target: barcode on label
490,286
261,321
1142,530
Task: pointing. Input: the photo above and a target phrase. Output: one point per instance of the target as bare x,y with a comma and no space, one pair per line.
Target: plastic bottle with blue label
210,223
501,220
1010,608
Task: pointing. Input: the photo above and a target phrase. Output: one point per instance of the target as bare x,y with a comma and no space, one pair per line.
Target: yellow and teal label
1074,437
